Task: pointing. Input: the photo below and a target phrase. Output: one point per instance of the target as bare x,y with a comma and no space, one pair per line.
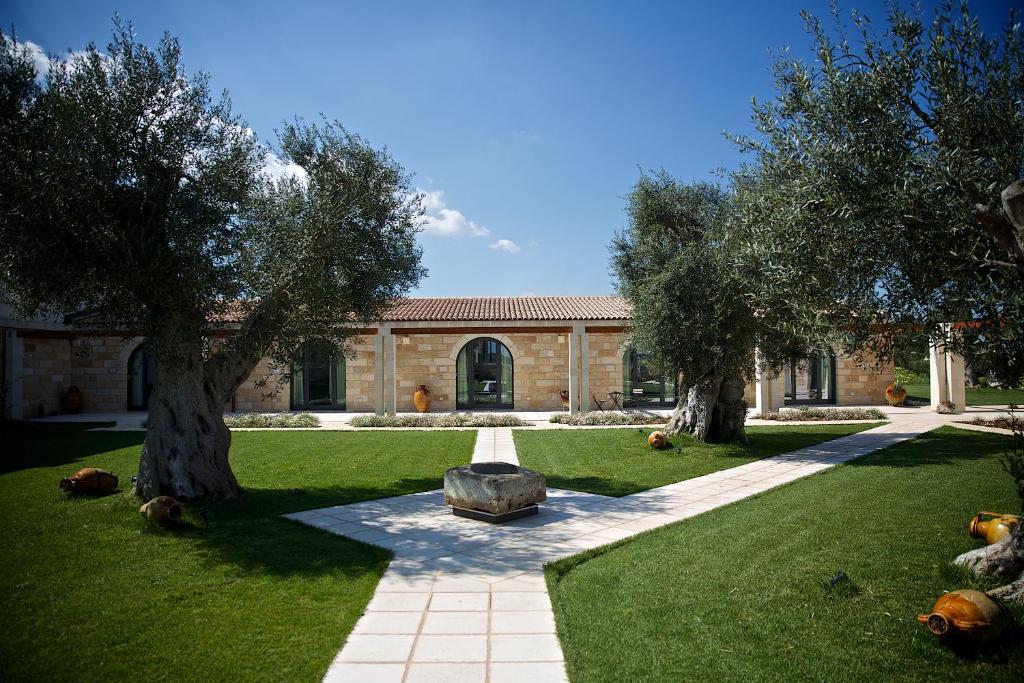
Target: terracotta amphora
89,481
992,526
72,400
421,398
657,440
969,614
161,509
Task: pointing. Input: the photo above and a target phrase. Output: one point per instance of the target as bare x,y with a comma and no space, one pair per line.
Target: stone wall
263,391
360,370
861,384
605,365
540,368
45,376
99,367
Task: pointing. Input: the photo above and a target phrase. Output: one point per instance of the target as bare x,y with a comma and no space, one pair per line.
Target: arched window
483,378
643,384
141,377
318,379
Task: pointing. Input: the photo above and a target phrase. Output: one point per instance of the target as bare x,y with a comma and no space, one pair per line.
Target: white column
937,371
956,376
574,371
378,370
769,390
390,393
14,367
584,366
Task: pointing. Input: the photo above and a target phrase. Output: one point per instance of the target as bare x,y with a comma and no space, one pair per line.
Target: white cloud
277,169
38,56
505,245
440,220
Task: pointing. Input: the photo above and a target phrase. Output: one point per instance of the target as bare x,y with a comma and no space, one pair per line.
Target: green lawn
737,593
89,591
975,397
617,462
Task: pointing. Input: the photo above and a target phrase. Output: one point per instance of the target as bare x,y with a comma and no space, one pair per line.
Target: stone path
465,600
495,444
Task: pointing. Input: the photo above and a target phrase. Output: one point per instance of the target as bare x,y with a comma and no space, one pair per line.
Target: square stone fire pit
493,491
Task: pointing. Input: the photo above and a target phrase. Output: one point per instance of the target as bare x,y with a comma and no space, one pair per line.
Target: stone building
479,353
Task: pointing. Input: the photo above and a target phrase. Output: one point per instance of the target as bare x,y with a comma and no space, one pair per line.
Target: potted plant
895,393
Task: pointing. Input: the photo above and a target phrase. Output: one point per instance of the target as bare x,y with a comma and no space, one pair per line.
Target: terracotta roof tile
510,308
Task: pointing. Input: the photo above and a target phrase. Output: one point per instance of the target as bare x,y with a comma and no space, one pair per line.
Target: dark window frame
630,362
148,378
470,404
832,388
335,405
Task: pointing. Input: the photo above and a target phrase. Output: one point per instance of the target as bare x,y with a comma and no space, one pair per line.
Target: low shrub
1004,422
629,417
439,420
822,414
278,420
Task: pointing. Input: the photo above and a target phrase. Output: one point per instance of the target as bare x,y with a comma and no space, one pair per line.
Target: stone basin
493,491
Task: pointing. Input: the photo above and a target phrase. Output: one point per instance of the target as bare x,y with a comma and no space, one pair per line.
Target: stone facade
540,364
264,391
605,357
46,375
860,384
98,366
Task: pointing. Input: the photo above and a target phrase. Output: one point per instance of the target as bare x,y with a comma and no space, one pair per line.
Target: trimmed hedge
439,420
278,420
822,414
630,417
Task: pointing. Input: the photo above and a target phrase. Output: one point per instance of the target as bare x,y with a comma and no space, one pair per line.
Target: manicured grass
90,591
617,462
737,593
975,397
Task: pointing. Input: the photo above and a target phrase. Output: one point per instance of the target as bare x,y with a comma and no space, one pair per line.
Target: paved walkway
495,444
466,600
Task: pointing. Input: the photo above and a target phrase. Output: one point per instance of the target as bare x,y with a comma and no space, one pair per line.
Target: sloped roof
511,308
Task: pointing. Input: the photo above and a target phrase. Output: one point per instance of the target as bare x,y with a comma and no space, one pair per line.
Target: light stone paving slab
464,600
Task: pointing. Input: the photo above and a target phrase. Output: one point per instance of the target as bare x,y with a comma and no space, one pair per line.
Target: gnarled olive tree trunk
1003,560
712,410
185,454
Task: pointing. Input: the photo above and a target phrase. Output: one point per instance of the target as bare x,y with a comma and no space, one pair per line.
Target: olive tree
692,311
128,191
885,194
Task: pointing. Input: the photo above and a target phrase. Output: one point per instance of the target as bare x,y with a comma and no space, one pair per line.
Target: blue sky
525,122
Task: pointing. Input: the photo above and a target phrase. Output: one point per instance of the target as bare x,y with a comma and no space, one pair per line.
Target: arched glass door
318,380
141,378
484,377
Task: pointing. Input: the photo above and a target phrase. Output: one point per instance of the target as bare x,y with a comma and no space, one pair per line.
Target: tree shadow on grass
941,446
604,486
249,533
27,446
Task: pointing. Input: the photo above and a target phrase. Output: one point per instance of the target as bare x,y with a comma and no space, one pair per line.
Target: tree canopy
127,190
873,172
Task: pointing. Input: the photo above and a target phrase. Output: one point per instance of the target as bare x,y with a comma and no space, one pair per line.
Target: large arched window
141,377
318,380
643,384
483,377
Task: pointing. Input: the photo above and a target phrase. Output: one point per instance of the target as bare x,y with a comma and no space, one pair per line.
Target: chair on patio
616,399
600,403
